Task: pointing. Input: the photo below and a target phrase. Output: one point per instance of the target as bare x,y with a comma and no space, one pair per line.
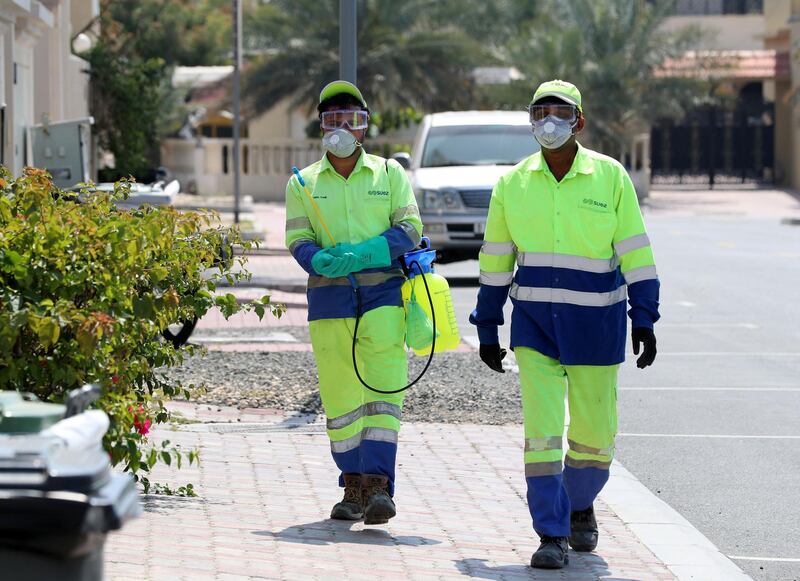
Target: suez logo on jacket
594,203
370,193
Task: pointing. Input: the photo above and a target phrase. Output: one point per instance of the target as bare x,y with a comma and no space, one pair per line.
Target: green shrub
85,291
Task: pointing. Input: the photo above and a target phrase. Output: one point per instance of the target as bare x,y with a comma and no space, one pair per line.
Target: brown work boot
378,505
351,506
583,535
553,553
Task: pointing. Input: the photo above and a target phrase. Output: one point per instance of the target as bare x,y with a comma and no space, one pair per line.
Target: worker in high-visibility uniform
568,217
363,218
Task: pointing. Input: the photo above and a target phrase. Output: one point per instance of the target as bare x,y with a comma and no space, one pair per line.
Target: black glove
493,356
646,336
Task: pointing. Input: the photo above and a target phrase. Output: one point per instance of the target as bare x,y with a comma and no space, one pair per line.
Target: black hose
433,343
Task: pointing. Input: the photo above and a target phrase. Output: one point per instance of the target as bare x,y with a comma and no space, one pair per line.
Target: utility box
63,149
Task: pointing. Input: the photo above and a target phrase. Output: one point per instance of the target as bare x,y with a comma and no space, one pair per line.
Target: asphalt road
713,427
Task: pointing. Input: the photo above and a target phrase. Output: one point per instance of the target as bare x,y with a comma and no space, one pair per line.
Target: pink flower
142,425
140,422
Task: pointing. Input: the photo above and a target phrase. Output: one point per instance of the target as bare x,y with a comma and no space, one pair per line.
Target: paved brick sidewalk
266,490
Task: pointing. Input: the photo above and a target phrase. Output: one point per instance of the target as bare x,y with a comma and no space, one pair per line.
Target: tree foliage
131,63
407,57
612,50
421,54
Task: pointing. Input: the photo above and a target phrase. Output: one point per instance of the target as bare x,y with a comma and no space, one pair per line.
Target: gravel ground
457,388
299,333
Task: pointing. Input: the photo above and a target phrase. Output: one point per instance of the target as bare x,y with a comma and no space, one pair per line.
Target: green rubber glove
372,253
330,266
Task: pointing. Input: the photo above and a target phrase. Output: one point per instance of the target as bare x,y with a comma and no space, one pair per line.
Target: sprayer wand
313,203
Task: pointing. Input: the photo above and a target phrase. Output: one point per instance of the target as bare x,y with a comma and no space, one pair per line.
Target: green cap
339,87
563,90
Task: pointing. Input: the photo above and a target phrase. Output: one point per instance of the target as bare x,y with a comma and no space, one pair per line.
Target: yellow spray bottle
424,288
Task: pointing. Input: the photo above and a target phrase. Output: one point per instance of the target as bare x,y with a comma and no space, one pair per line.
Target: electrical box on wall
63,149
2,134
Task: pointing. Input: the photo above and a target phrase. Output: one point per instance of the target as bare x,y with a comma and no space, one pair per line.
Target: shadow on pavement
327,532
586,567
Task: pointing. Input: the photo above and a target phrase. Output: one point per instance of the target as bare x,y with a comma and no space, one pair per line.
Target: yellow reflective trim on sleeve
640,274
411,231
498,248
628,244
300,241
496,278
298,223
400,213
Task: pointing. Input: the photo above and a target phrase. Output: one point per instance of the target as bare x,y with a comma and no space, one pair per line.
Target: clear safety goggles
351,119
565,112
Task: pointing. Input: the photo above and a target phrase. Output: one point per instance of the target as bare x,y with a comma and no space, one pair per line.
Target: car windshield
478,145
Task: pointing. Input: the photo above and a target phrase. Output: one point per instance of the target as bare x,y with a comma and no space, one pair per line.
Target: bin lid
24,413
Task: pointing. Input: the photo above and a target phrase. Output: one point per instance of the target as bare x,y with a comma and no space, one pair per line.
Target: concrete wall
794,101
783,134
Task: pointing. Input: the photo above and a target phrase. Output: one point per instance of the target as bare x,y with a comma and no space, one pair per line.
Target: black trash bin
58,496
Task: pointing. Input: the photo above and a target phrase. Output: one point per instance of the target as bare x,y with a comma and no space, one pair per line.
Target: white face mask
552,132
340,142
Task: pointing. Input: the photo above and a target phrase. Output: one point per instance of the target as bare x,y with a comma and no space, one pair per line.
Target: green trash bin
24,413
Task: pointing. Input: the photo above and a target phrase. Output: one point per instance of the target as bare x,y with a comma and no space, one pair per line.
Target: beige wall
776,15
6,42
279,122
726,32
35,40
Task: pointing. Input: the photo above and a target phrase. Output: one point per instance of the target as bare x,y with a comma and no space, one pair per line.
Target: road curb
671,538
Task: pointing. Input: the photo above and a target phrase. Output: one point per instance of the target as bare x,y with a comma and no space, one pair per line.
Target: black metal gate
714,146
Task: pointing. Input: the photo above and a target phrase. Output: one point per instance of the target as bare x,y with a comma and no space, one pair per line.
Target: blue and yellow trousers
362,425
556,489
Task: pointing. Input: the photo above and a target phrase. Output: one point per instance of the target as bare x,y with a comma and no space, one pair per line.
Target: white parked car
456,159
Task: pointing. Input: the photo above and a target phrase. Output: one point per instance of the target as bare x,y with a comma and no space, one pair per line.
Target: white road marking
789,388
726,354
777,559
722,436
699,325
686,304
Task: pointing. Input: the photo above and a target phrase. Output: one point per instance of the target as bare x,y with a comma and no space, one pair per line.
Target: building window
717,7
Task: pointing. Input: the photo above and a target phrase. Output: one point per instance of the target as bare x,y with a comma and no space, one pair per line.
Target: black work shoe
553,553
583,525
378,505
351,506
